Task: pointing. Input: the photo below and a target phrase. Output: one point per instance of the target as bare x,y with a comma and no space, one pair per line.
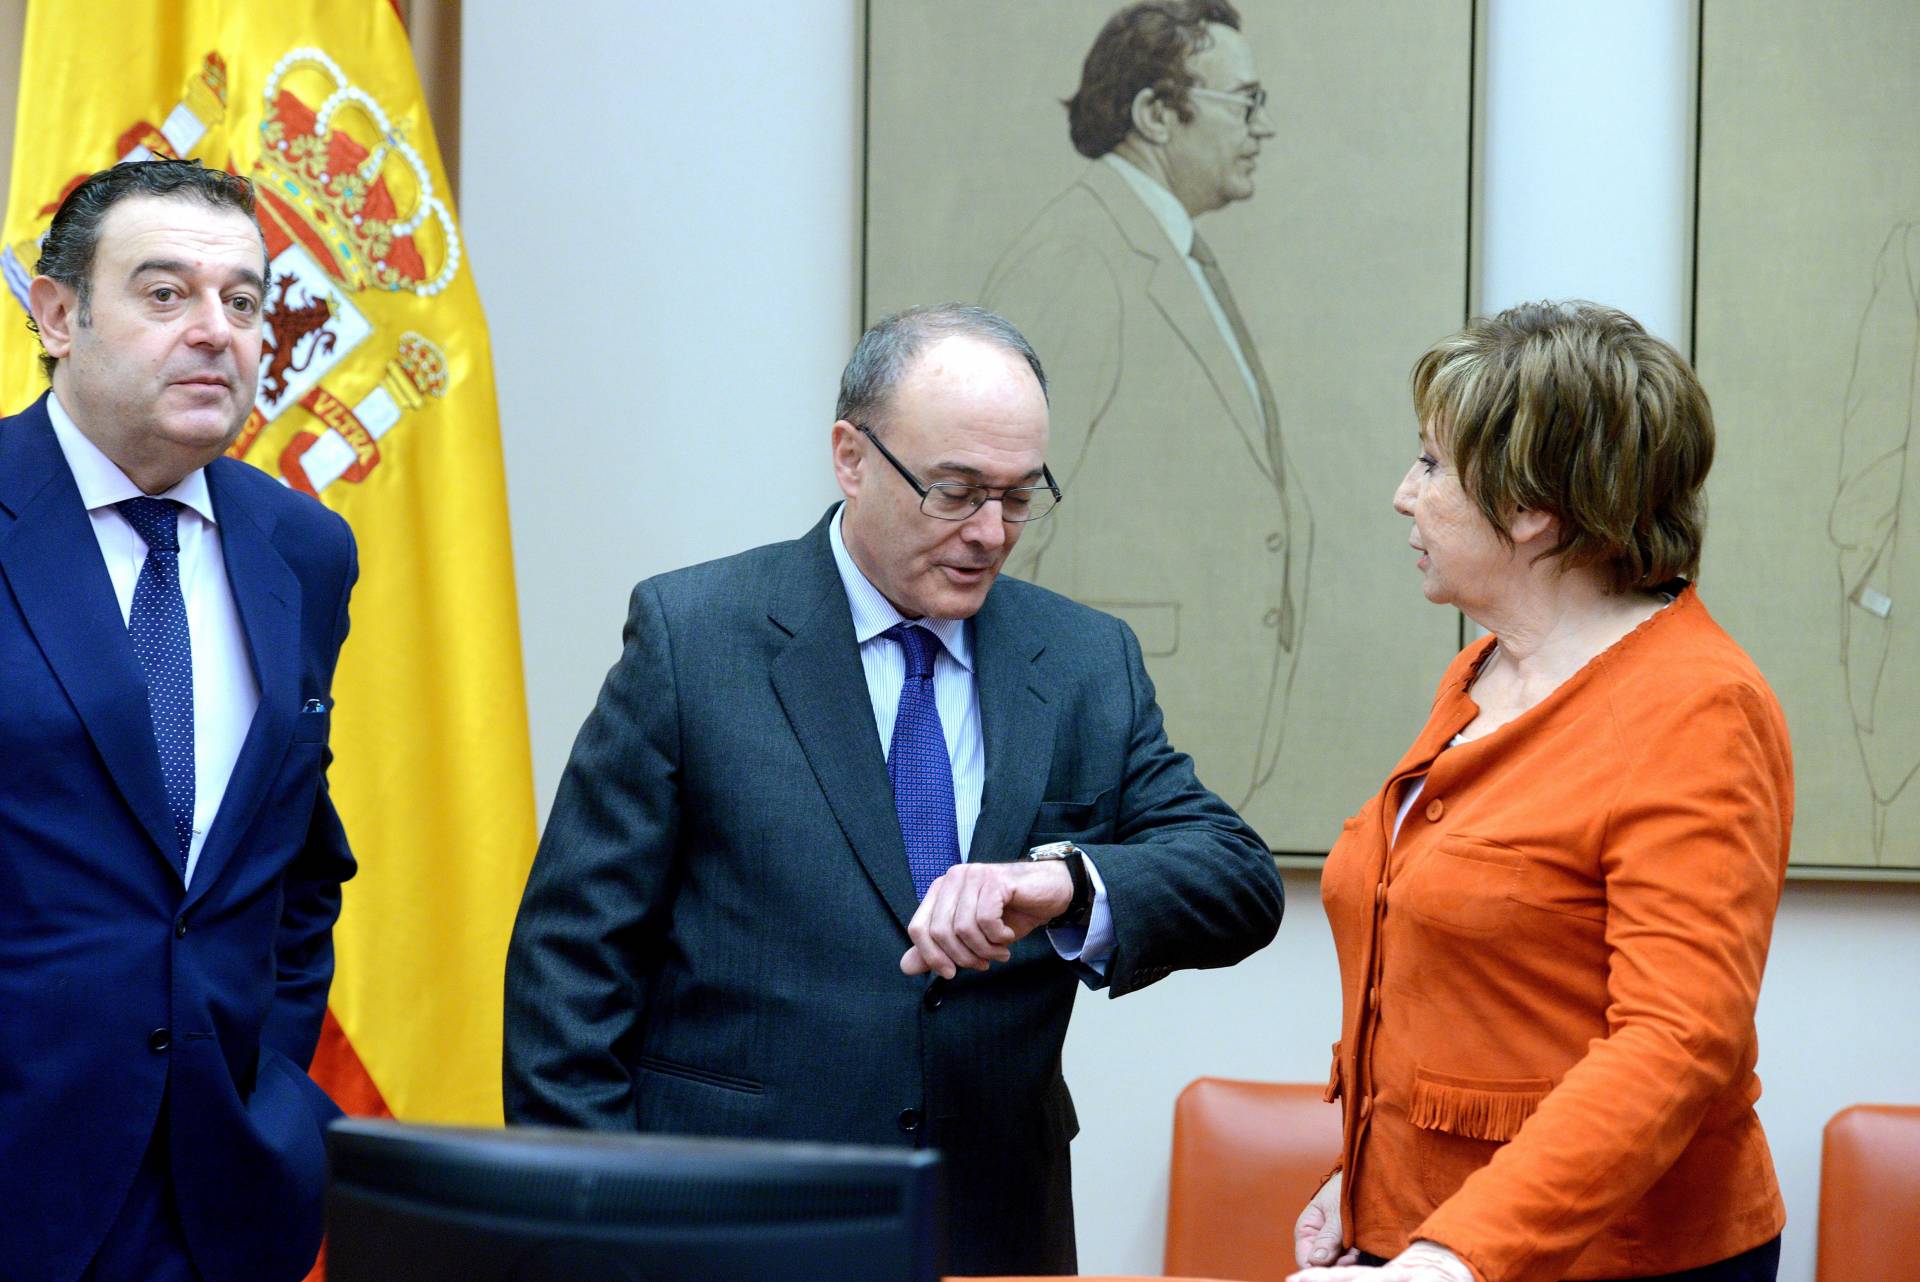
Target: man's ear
1149,116
849,455
56,313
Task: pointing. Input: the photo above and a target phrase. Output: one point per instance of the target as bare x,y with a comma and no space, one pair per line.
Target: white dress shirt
957,697
225,693
1178,224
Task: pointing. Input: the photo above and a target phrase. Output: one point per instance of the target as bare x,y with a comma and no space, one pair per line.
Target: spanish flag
376,395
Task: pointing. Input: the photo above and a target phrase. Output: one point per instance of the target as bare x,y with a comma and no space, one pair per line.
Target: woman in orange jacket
1552,920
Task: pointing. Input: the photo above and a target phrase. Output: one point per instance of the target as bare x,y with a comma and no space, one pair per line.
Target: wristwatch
1080,908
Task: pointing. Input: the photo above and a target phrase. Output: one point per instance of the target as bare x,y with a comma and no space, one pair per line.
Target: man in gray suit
750,914
1161,404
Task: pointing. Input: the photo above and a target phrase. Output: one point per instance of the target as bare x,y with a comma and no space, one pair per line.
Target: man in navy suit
782,891
169,624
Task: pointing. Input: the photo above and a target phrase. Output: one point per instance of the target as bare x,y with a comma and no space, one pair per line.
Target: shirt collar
874,614
1161,203
99,478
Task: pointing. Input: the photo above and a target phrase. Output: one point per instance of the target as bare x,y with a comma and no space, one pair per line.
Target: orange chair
1870,1193
1246,1157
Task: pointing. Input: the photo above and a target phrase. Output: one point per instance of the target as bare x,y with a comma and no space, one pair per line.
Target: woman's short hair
1573,409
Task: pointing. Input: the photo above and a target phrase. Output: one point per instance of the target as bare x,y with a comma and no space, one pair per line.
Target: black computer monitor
409,1203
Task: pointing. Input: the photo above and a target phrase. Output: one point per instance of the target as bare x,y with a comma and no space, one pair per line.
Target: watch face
1052,850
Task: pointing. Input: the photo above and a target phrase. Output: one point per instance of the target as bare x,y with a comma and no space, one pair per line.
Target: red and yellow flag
376,395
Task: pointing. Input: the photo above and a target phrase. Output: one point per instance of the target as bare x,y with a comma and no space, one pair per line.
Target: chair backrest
1246,1157
1870,1193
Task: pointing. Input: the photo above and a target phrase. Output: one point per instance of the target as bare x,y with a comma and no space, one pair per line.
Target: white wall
662,206
1587,168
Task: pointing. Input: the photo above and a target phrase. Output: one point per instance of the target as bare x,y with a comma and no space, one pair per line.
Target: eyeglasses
956,501
1254,100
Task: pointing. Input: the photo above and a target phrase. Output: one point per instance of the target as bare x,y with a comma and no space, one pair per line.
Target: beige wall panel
1808,338
1281,614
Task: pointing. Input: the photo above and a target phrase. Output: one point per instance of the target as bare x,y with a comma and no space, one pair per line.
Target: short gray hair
887,351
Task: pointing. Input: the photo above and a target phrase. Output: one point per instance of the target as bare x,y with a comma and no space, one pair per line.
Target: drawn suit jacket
1880,544
131,1001
711,935
1182,518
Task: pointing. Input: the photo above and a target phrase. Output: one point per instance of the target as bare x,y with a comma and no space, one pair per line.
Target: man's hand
1420,1262
974,914
1316,1231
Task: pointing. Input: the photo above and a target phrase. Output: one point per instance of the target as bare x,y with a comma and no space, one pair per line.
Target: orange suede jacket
1547,1041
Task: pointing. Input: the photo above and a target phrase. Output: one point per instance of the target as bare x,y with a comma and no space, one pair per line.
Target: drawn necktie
158,625
918,766
1269,415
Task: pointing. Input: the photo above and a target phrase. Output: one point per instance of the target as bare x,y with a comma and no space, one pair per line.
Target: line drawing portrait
1879,551
1192,525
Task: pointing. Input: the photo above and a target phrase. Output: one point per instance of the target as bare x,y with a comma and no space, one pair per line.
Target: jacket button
1435,809
1276,541
158,1040
1373,998
1271,618
935,996
180,929
909,1120
1366,1106
1380,893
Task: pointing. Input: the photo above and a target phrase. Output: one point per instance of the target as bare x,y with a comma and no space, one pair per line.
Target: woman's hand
1316,1233
1420,1262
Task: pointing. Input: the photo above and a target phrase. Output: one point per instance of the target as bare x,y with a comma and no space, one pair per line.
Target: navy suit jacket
130,1001
711,936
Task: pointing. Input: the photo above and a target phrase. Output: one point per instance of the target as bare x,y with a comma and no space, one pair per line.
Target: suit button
1366,1106
158,1040
1435,809
1380,894
1271,618
936,995
1373,998
909,1120
180,929
1276,541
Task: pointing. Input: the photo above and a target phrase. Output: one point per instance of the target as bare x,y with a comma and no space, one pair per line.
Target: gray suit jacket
710,939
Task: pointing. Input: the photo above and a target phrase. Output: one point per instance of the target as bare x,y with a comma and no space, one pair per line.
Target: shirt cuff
1092,944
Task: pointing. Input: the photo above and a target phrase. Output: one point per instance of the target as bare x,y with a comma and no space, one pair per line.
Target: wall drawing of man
1879,545
1182,516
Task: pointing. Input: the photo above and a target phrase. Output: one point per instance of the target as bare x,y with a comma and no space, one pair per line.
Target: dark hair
66,253
887,351
1144,46
1574,409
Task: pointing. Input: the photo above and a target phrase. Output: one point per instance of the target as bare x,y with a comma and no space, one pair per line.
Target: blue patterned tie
158,625
918,767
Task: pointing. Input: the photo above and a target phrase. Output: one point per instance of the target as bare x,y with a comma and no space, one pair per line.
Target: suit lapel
1175,293
267,595
823,689
1017,723
52,561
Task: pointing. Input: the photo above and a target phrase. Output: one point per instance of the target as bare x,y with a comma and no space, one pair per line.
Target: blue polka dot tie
158,625
918,766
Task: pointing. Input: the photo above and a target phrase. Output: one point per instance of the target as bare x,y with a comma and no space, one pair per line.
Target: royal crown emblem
331,159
